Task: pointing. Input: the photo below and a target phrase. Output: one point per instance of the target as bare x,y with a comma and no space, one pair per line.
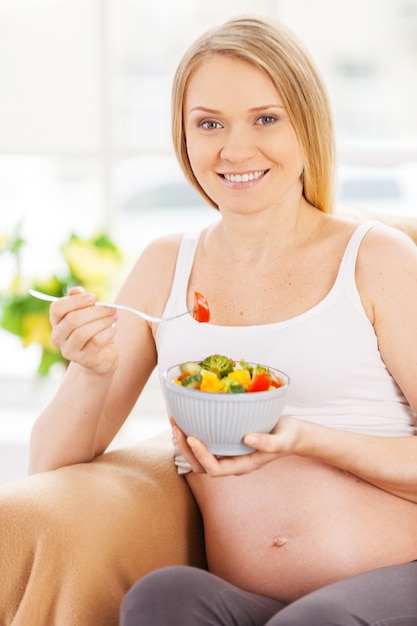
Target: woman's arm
97,392
112,355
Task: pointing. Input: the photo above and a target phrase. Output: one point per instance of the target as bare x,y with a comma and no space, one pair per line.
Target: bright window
85,109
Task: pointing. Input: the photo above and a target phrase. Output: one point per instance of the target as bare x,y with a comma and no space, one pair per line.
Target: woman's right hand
85,333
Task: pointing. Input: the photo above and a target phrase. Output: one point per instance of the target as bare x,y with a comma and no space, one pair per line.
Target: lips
244,177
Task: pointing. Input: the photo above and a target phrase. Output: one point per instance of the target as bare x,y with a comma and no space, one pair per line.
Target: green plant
94,263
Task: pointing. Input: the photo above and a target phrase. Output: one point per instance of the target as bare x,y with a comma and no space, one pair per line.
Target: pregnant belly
296,525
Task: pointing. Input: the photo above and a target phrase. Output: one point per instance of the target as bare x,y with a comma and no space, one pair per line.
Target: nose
238,146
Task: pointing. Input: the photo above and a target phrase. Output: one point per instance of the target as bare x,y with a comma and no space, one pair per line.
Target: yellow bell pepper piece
210,382
242,377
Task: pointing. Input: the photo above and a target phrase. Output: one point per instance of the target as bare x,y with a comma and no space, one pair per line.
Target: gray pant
185,596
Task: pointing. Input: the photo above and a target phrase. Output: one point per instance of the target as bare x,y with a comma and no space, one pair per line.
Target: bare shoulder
387,246
148,284
160,252
386,271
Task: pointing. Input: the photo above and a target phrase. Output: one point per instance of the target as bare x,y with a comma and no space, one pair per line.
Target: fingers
77,328
78,299
263,442
224,466
202,461
182,444
266,448
83,332
90,337
76,289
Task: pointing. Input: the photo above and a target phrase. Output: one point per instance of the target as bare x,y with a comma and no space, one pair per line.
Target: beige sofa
74,540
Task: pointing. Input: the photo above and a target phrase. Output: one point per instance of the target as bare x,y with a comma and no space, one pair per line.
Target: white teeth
244,178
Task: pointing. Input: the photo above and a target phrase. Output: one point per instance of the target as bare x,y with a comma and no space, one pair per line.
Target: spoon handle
42,296
150,318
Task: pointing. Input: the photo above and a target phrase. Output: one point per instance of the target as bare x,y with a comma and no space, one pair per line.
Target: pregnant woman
318,525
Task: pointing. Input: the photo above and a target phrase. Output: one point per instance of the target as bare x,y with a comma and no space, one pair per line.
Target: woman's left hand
283,440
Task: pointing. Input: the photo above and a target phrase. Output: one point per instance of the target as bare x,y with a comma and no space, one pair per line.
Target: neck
265,237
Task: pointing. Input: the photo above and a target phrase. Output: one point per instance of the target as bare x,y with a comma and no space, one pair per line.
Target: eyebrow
253,110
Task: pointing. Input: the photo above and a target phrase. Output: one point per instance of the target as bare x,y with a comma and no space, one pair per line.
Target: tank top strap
346,274
183,267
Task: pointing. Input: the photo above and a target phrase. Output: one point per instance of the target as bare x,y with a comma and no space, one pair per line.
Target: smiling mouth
244,178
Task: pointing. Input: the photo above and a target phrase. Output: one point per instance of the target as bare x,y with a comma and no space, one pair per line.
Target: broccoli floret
220,365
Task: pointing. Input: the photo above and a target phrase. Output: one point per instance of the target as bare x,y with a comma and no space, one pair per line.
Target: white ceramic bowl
221,420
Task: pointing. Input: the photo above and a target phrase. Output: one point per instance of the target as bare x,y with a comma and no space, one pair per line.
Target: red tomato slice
276,381
201,311
261,382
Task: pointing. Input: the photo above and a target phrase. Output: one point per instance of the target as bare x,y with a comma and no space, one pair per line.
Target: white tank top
330,352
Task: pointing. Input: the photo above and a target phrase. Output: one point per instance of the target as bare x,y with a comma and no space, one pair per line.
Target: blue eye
266,120
210,124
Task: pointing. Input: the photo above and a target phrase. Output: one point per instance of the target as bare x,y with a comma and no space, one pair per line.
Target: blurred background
86,155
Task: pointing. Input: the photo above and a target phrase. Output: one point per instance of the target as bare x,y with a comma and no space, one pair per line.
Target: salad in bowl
219,400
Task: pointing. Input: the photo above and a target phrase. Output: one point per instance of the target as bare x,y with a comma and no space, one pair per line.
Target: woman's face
241,145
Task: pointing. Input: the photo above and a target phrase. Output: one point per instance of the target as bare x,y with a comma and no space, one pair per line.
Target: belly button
278,542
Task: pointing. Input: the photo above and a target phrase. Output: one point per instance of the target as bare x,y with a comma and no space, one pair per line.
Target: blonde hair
274,49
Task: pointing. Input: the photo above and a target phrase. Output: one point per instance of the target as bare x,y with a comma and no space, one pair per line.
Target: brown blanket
74,540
